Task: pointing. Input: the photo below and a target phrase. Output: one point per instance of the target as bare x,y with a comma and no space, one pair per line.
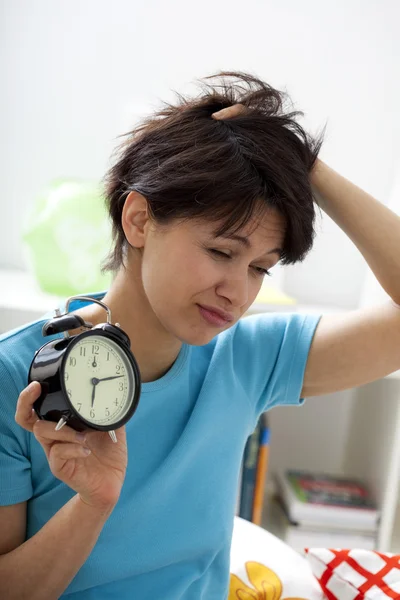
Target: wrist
97,511
316,171
317,175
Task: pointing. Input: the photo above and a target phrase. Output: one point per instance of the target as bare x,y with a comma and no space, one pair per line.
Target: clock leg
60,423
113,436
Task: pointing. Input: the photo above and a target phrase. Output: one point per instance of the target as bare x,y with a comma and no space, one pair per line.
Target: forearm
43,566
372,227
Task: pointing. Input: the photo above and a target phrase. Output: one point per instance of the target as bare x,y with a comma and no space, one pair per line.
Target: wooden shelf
21,299
395,545
20,291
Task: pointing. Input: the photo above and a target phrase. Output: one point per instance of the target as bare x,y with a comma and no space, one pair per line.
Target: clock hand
106,378
95,381
93,391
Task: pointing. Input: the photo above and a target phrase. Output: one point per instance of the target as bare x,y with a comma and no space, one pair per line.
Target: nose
235,289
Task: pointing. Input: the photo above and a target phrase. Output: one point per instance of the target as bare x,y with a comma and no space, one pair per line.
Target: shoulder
274,327
258,341
17,348
269,352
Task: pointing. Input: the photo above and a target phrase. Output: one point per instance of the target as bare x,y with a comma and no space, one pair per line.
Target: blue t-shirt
169,535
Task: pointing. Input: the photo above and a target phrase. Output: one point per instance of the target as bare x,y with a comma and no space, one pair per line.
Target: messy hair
189,165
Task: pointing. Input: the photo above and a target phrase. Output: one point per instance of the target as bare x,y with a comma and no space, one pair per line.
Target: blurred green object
67,235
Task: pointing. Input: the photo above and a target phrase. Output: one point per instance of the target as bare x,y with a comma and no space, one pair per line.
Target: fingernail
81,437
87,451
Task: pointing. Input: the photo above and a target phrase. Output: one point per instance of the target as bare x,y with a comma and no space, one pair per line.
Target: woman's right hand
97,477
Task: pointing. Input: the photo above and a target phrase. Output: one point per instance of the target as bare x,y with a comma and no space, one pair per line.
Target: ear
135,219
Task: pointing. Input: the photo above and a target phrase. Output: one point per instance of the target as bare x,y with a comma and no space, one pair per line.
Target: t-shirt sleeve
271,352
15,465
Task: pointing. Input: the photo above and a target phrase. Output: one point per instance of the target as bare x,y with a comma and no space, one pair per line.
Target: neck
154,348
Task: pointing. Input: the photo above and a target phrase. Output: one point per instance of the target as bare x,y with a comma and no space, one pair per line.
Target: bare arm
50,559
12,526
361,346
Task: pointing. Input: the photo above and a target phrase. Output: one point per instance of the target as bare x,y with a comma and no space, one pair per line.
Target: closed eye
258,270
219,253
262,271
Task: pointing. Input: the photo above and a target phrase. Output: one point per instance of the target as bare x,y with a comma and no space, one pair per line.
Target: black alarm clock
90,380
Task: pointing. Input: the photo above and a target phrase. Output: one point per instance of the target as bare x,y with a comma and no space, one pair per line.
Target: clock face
99,380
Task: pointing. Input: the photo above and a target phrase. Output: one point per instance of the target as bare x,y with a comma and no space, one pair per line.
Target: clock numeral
119,369
107,412
92,414
66,376
95,349
121,386
82,351
79,406
116,402
72,361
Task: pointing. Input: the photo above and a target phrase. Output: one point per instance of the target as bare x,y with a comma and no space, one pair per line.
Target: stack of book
251,496
327,511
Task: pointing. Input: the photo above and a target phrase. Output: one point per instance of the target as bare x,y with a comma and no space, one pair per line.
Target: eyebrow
247,244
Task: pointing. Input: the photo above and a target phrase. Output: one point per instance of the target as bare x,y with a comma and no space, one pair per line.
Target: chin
193,331
202,340
201,337
196,339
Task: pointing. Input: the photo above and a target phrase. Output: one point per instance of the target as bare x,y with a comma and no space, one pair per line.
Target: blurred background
75,75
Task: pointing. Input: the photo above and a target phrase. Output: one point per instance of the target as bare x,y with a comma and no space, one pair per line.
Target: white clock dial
99,380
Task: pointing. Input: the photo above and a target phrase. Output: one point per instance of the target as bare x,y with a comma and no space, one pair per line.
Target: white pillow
264,567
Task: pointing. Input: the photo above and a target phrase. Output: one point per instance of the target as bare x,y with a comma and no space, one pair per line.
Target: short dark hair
189,165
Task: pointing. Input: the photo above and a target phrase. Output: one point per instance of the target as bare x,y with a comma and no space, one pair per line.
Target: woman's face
187,272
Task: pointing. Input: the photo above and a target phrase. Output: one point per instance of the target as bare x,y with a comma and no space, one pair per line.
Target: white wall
74,74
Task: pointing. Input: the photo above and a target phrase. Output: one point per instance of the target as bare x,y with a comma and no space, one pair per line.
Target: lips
215,316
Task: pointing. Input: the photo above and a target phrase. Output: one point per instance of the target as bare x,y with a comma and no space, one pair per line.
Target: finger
45,433
24,414
61,452
229,112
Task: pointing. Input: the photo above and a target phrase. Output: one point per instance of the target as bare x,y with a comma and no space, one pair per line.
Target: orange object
262,467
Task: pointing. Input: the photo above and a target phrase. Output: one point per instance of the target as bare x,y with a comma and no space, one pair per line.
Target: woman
205,198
